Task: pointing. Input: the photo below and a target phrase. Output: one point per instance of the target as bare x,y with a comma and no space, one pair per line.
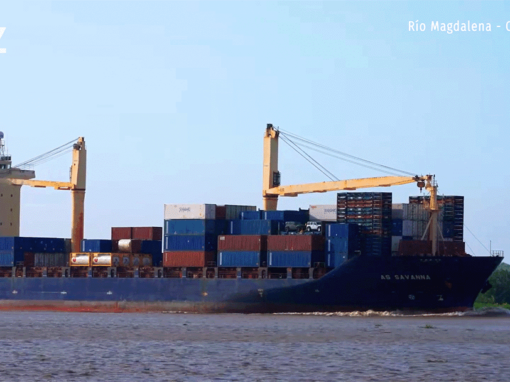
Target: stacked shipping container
451,217
372,212
33,251
242,251
342,242
192,230
299,251
408,223
265,222
129,247
424,248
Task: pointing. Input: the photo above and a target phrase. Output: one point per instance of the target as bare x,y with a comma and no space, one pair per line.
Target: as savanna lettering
405,277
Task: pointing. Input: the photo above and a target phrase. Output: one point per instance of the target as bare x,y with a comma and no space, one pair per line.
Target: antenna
2,145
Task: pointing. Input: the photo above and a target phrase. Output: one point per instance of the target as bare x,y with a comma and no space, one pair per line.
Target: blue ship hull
429,284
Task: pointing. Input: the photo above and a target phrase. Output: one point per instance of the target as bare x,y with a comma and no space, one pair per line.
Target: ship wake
485,312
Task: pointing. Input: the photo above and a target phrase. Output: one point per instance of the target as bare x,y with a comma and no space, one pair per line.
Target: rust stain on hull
130,307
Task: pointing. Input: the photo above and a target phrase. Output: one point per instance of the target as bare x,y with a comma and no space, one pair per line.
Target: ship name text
405,277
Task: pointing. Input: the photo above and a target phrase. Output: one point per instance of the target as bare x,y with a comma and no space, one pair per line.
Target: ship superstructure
10,194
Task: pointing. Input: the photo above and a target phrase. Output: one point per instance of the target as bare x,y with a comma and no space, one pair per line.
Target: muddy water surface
189,347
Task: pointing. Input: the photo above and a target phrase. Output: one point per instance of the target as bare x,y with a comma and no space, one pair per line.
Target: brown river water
233,347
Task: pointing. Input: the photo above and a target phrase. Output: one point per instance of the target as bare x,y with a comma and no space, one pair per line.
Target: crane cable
471,249
48,155
331,175
347,160
305,155
477,239
343,153
57,155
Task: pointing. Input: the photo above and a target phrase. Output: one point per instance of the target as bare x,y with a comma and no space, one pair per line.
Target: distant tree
500,291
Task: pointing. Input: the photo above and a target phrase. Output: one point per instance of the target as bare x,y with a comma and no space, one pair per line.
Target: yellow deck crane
76,185
271,188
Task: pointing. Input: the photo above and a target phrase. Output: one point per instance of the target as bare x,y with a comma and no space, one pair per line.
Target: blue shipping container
448,229
254,227
250,215
294,259
396,227
342,230
286,216
157,259
49,245
195,227
93,245
334,260
241,258
339,245
191,243
33,244
11,258
151,247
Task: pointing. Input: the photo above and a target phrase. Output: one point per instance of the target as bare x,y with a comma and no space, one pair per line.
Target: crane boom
271,188
352,184
42,184
76,185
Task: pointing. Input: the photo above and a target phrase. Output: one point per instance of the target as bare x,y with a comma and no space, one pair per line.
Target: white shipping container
233,211
324,212
397,210
395,241
416,212
407,228
190,211
419,227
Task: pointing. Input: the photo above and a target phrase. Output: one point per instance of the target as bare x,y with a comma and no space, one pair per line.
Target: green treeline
499,294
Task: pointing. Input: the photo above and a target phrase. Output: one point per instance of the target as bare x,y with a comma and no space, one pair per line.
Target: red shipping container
415,247
452,248
129,246
221,212
242,243
119,233
189,259
147,233
29,259
295,243
423,247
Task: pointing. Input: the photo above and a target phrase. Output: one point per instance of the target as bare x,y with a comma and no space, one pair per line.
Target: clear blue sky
173,98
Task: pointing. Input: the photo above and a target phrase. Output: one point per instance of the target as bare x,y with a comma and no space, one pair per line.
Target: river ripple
189,347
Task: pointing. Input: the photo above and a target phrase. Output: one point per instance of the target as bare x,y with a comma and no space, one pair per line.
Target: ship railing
497,253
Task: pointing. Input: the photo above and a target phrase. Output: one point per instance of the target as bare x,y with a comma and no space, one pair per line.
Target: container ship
362,253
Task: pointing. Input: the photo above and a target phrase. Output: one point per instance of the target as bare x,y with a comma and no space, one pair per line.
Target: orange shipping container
189,259
242,243
295,243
